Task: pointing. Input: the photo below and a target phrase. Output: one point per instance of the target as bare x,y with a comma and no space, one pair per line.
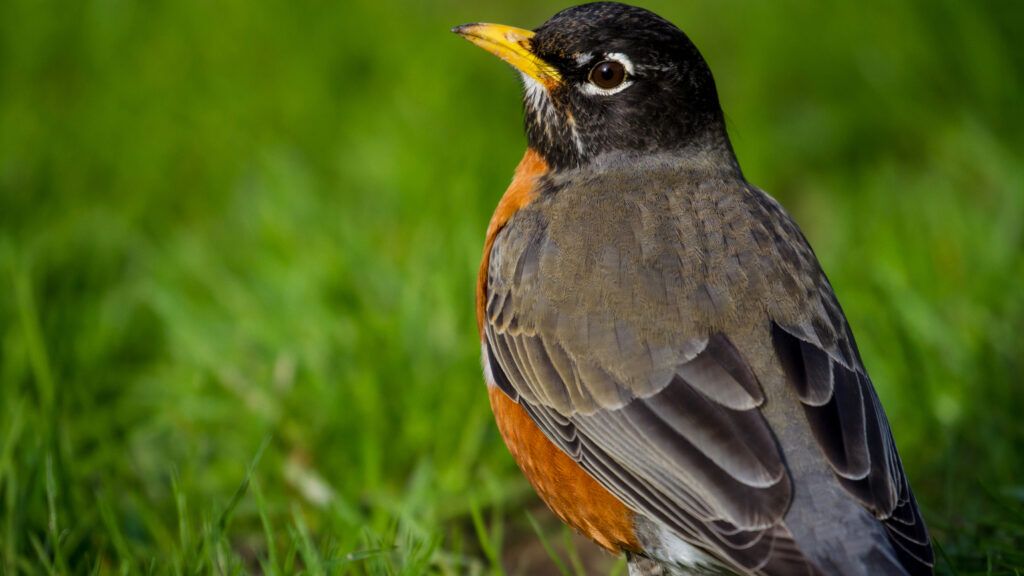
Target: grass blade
547,546
271,566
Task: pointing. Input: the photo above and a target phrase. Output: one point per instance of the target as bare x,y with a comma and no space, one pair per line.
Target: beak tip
513,45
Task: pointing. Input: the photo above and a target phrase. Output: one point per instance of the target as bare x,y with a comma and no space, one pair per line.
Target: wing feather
709,469
849,424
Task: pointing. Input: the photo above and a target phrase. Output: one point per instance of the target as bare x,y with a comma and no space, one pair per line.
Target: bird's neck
708,149
706,161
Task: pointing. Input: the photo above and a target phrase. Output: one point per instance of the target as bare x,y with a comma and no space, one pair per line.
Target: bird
664,356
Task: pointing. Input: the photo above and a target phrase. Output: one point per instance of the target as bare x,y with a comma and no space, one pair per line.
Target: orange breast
572,494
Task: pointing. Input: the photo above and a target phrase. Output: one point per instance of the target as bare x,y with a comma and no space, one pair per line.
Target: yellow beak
513,46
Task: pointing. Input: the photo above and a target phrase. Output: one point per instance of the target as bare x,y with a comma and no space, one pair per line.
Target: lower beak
513,46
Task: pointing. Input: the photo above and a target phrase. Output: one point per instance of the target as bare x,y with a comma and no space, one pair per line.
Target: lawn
238,244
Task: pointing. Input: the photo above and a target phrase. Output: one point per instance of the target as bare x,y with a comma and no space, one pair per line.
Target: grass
238,246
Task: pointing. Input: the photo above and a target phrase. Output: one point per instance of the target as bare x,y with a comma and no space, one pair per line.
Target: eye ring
607,74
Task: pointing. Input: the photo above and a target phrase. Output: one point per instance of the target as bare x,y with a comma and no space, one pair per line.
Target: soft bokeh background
231,224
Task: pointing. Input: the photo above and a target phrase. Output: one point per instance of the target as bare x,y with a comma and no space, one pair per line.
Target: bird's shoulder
671,248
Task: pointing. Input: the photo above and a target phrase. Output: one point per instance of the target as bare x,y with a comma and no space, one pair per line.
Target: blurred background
239,240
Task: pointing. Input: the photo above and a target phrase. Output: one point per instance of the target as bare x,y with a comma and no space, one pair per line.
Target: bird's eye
608,74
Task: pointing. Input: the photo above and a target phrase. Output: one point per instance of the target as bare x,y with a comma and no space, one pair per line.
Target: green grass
238,245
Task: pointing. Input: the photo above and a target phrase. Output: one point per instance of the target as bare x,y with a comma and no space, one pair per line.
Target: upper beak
513,46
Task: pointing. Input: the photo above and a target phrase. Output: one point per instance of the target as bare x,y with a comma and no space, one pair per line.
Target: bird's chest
572,494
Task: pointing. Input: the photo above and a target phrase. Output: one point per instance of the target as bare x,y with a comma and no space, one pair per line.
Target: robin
665,358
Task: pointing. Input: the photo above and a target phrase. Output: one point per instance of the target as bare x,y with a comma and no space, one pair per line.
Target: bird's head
609,78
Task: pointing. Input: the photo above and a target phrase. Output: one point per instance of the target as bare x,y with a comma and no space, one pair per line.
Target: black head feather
670,102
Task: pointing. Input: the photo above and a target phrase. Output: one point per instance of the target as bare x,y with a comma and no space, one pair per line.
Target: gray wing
849,424
820,358
821,361
673,430
704,464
